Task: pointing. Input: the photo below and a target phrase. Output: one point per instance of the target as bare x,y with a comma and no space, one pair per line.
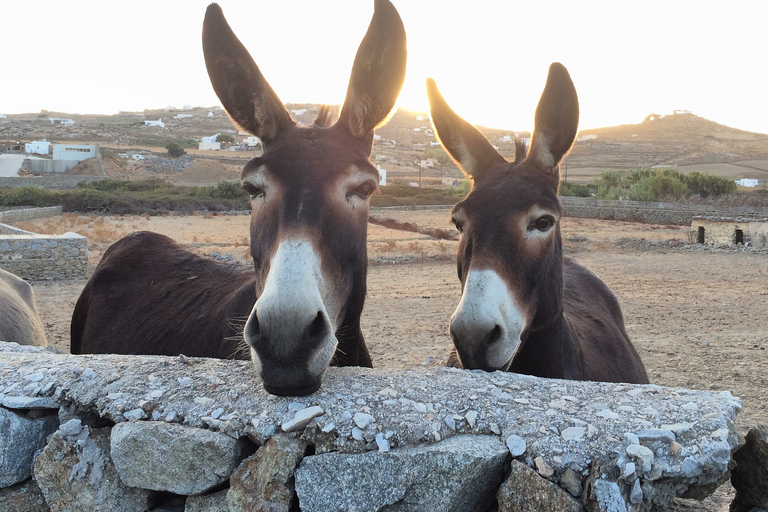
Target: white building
38,147
299,112
251,141
159,123
210,114
382,176
74,152
210,143
747,182
182,116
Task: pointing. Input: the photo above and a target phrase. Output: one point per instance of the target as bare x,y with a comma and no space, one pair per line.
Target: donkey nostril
317,329
494,336
252,328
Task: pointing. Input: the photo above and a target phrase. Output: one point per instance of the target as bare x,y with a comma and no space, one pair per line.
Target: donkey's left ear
557,119
377,74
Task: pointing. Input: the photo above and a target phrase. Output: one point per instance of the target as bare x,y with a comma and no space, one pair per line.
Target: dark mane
520,150
327,115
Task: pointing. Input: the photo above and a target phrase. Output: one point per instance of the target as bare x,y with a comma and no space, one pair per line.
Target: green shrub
175,150
568,188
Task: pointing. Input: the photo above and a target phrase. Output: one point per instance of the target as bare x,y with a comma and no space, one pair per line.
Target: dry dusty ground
697,318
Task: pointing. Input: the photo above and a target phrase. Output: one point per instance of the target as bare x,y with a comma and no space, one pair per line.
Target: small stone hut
731,231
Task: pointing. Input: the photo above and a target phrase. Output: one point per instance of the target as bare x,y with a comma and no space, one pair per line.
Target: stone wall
23,214
120,433
43,257
722,231
52,181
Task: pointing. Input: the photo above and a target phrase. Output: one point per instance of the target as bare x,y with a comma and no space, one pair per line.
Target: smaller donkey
525,308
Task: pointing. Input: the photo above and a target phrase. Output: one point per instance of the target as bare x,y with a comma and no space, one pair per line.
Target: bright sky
489,57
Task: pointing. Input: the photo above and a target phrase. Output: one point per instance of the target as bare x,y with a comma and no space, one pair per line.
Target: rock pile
136,432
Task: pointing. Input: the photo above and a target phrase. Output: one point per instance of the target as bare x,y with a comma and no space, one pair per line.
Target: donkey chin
298,378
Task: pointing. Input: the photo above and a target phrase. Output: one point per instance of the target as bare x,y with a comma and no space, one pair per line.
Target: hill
407,147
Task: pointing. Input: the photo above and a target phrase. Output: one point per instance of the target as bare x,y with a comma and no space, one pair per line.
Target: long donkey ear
242,89
467,146
557,119
377,74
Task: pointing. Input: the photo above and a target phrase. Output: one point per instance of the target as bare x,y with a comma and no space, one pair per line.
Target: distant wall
29,214
43,257
53,181
45,165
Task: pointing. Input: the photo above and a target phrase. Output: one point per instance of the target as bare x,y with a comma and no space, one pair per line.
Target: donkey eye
364,190
543,223
253,190
458,225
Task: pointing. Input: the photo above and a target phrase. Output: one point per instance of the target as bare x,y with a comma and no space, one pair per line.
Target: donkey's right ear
247,97
377,74
467,146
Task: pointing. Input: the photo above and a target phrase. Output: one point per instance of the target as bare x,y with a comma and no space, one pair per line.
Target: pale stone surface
459,474
23,497
525,491
76,474
216,502
264,482
20,438
227,397
173,458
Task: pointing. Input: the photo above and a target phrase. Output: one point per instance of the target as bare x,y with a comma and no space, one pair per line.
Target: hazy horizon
490,61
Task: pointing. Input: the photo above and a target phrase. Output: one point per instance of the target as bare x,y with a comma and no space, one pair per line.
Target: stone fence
51,181
43,257
23,214
131,433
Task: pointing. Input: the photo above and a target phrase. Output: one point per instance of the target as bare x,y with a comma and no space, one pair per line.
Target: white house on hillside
159,123
747,182
38,147
210,143
74,152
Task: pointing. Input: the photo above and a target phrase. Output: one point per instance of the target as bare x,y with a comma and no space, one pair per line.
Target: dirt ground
698,318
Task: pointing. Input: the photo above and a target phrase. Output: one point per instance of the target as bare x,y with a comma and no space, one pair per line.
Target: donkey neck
551,351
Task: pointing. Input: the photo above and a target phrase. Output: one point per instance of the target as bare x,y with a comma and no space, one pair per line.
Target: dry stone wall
138,432
43,257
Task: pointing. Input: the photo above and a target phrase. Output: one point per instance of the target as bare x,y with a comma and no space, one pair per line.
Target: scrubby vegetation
661,184
402,194
131,197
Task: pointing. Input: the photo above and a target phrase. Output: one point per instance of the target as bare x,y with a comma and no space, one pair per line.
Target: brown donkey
310,197
525,308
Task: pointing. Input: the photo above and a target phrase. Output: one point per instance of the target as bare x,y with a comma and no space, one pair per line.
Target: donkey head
509,257
310,196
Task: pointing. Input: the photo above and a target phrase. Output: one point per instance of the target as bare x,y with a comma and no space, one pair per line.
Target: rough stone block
750,476
75,473
525,491
23,497
173,458
216,502
459,474
20,438
264,482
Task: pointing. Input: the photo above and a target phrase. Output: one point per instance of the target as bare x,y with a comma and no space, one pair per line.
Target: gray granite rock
264,482
20,439
410,406
459,474
23,497
76,474
173,458
750,476
216,502
525,491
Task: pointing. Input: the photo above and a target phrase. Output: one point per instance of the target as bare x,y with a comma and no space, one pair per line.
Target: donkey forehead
313,151
510,189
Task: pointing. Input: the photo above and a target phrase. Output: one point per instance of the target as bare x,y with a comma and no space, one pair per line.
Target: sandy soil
697,318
